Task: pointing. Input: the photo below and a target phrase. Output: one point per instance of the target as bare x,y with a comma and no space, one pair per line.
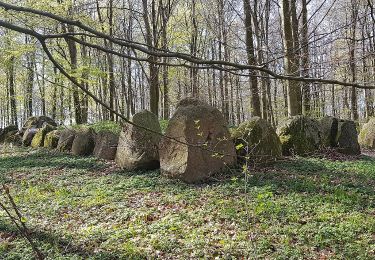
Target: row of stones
197,142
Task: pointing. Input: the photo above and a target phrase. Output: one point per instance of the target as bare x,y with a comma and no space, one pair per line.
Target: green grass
81,208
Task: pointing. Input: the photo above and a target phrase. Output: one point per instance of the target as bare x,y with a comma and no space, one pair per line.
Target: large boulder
28,136
367,135
137,147
300,135
210,147
37,122
5,132
13,138
329,126
106,143
84,142
347,138
38,140
52,139
257,139
66,140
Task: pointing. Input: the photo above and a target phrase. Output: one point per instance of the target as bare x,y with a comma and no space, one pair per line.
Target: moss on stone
300,135
38,140
257,139
52,139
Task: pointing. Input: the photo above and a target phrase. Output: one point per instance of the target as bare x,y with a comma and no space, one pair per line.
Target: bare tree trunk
291,61
305,59
12,92
255,101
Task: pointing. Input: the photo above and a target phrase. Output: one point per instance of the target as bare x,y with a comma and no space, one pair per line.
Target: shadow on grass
350,182
41,159
66,247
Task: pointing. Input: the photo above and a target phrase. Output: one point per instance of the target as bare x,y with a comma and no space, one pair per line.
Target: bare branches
216,64
19,222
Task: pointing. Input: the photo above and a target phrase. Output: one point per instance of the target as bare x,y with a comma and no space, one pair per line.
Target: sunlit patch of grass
303,208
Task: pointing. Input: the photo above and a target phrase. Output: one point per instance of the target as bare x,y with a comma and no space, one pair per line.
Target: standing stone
28,136
106,144
367,135
329,127
84,142
211,148
300,135
38,140
66,140
347,138
257,139
137,147
52,139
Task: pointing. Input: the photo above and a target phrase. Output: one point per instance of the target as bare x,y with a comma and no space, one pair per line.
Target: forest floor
79,208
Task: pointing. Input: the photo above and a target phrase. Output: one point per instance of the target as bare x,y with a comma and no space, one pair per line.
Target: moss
38,140
163,125
106,126
51,140
300,135
256,138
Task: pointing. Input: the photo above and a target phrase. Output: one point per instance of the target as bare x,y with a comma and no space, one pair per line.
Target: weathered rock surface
28,136
329,127
106,144
367,135
347,138
5,132
66,140
37,122
52,139
300,135
38,139
202,126
138,148
84,142
257,139
13,138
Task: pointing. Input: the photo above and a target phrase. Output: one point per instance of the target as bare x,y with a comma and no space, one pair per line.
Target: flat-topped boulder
367,135
52,139
66,140
300,135
106,143
256,139
347,138
210,148
84,142
137,147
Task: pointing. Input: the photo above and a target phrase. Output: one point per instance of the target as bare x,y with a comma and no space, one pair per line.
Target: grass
81,208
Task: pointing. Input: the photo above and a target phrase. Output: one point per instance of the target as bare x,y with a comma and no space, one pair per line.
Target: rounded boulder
256,139
300,135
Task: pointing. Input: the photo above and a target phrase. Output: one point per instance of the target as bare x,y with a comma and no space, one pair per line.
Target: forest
187,129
